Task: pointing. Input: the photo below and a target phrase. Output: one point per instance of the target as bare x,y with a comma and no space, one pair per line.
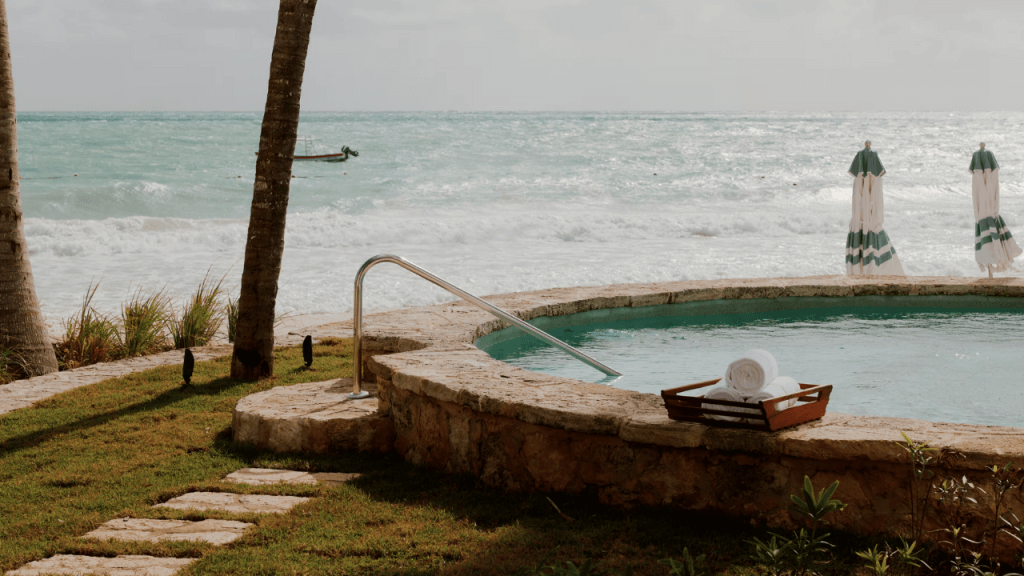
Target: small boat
315,152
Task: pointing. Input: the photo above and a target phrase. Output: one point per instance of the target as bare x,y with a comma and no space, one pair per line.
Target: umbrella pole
989,267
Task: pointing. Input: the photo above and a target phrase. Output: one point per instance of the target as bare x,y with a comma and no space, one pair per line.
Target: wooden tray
811,403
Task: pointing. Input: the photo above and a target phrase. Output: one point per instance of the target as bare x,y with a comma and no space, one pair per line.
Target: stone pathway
24,393
289,332
217,532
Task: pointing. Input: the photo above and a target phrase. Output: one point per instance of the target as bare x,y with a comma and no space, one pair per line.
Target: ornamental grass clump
232,316
143,322
89,337
10,363
201,316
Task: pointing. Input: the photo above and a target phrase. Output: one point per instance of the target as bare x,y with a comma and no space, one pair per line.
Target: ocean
494,202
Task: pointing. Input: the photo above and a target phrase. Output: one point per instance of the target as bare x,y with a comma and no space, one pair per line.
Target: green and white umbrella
994,246
868,249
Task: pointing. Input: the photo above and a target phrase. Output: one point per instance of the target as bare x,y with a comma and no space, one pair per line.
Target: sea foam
493,202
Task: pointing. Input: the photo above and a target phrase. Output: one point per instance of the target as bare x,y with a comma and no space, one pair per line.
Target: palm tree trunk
253,356
21,321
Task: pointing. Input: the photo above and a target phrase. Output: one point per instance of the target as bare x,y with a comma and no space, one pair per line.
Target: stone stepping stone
120,566
215,532
258,476
237,503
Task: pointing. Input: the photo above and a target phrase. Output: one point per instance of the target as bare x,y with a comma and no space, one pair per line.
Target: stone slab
235,503
119,566
216,532
312,417
260,476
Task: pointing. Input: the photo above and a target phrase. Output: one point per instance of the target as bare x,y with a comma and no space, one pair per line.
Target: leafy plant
877,562
588,568
953,496
1015,530
200,317
772,554
919,458
805,546
1004,479
89,337
908,556
963,567
143,319
537,570
813,507
816,507
690,566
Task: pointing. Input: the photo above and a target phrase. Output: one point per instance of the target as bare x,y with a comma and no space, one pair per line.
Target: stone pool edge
429,351
452,407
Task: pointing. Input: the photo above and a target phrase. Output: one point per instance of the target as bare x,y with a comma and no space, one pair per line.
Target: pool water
947,359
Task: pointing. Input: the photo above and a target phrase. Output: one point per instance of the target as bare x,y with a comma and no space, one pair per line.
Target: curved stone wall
457,409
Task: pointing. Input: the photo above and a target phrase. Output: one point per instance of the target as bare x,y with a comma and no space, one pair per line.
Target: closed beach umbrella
994,246
868,250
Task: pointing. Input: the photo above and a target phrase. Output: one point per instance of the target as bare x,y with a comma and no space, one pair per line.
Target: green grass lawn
114,449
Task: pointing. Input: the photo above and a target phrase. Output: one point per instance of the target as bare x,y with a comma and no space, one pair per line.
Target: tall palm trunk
253,356
21,322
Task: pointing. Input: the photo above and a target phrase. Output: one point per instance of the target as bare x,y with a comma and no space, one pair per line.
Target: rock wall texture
456,409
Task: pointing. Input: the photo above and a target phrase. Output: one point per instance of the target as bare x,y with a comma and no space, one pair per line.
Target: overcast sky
601,55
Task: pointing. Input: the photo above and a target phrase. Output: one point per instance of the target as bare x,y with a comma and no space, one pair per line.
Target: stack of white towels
752,378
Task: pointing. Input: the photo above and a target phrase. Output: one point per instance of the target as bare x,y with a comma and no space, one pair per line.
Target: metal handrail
357,319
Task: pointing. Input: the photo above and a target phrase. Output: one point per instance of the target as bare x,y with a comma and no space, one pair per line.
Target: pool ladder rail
357,319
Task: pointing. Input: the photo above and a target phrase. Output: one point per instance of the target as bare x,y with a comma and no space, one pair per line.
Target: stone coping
429,351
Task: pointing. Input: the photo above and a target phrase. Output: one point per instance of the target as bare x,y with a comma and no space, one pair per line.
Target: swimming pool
943,358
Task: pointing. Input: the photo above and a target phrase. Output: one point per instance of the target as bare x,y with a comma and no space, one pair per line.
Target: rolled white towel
723,393
788,384
780,386
752,372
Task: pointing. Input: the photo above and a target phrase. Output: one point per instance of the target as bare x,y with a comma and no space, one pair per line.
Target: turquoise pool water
941,358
